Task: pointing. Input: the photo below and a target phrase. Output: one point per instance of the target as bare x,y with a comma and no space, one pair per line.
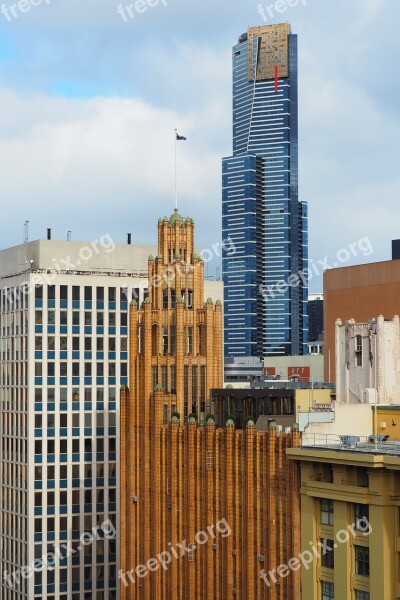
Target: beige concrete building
350,522
307,368
361,293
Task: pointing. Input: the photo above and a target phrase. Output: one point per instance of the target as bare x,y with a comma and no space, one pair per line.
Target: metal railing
372,443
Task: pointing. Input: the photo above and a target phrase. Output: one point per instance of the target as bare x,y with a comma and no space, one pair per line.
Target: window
173,298
362,595
202,340
88,293
359,351
190,340
100,294
327,512
172,333
164,378
362,560
165,298
154,376
165,341
173,379
328,590
327,558
154,337
194,389
361,513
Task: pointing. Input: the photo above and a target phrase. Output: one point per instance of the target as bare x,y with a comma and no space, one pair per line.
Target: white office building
63,358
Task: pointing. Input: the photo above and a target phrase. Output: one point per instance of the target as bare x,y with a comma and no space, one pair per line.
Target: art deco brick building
180,475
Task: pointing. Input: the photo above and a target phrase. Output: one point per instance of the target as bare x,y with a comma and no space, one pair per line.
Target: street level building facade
181,476
265,306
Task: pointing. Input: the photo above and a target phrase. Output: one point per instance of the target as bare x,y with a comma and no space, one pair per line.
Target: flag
180,137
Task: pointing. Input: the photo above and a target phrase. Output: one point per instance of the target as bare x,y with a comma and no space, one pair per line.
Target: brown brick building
182,482
361,293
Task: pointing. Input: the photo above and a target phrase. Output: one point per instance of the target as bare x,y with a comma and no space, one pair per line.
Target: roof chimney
129,239
48,233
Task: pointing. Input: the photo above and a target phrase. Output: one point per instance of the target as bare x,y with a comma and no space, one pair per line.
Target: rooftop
376,445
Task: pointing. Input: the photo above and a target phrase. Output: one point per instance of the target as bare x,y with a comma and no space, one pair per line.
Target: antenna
26,238
26,232
176,170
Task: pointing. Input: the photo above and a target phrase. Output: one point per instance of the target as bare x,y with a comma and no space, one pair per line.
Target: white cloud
91,164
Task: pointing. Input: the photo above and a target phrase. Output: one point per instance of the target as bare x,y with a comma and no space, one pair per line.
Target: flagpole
176,171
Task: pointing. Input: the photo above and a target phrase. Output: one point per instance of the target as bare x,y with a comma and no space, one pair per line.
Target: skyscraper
265,290
64,356
226,495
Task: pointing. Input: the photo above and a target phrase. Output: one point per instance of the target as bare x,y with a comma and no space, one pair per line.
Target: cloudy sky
89,102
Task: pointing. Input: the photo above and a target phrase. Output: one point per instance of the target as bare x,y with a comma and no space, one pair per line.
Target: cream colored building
350,502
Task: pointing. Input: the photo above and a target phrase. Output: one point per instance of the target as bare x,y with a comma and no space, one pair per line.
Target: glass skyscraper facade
265,278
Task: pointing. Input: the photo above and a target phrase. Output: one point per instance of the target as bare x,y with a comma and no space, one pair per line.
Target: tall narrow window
202,340
203,389
190,299
165,298
172,342
173,298
190,340
165,341
173,380
362,560
154,340
164,378
154,376
194,389
165,414
185,390
359,351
